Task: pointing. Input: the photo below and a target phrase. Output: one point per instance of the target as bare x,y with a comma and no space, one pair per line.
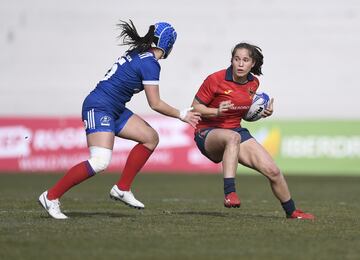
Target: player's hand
190,117
224,106
269,109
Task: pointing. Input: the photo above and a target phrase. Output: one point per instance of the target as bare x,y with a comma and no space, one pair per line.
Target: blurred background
53,53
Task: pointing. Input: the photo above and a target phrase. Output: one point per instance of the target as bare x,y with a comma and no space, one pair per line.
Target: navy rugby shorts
201,135
96,119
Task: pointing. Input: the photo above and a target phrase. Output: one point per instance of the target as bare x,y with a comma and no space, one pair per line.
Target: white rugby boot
51,206
126,197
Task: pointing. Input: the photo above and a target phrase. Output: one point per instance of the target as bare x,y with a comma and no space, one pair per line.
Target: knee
273,173
99,164
99,158
234,139
152,139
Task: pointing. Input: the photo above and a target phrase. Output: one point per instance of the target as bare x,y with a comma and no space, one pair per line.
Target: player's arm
157,104
209,111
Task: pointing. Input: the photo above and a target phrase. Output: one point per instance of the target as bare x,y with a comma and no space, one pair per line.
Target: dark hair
255,54
131,37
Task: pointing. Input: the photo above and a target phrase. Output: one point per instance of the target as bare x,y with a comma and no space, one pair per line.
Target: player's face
242,64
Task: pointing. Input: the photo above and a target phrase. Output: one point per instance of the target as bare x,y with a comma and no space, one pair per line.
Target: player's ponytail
131,37
255,54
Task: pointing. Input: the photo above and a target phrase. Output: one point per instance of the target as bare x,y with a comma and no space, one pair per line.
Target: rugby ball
259,103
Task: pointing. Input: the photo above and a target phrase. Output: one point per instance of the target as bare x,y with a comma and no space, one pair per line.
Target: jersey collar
228,76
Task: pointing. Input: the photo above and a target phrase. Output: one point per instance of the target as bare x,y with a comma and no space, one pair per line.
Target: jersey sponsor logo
227,92
240,108
105,121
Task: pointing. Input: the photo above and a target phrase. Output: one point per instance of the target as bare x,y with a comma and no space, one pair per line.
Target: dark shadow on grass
259,216
234,214
87,214
203,213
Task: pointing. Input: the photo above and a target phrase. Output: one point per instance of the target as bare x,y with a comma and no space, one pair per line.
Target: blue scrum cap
165,37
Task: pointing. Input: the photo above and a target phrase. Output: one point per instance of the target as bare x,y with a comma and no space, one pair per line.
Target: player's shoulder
149,63
144,61
148,57
252,79
217,75
255,80
253,83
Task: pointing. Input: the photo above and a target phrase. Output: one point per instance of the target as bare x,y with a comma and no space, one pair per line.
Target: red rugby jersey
219,87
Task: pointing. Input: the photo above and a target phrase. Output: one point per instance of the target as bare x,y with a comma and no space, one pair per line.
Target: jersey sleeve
206,91
150,71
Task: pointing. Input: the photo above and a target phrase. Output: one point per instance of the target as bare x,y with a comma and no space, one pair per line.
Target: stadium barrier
40,144
56,144
311,146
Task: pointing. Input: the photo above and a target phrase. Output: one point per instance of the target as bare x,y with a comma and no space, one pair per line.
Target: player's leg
223,145
253,155
100,139
136,129
100,146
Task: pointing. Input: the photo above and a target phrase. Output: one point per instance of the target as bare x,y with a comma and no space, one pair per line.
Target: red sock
74,176
135,161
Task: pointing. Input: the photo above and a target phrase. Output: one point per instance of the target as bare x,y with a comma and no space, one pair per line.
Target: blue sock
229,185
289,207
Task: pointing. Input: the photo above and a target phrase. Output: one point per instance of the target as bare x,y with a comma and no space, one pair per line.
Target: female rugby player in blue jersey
223,99
105,115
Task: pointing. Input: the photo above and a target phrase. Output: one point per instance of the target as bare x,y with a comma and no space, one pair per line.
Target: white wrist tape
184,112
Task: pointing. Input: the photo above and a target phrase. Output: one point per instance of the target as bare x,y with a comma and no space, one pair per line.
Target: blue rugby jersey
126,77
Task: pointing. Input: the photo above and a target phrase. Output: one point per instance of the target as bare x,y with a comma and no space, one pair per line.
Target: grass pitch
184,219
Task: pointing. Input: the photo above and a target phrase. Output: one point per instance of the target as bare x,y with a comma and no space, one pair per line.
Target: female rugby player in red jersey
223,98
